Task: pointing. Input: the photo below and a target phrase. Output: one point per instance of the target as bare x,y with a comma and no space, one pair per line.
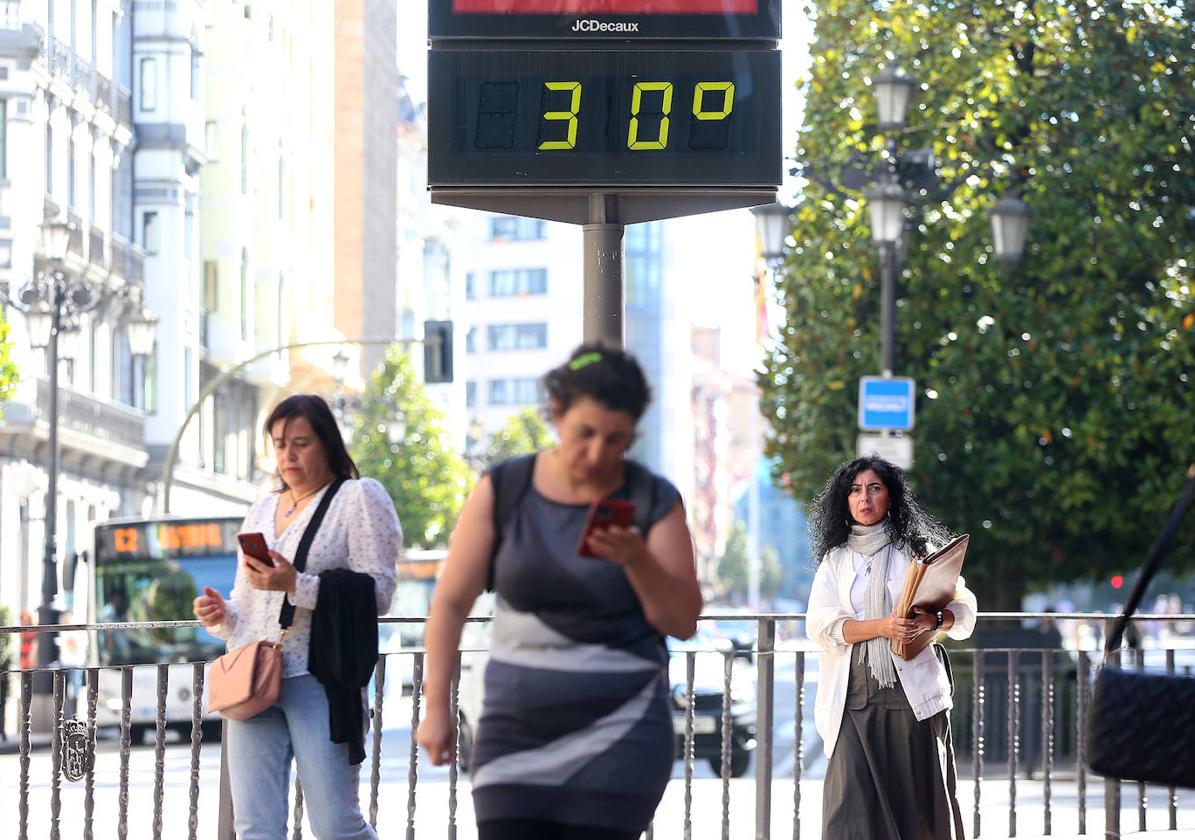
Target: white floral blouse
360,531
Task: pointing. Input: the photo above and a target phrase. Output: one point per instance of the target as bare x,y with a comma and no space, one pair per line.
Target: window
212,140
194,65
3,139
149,84
280,313
471,340
49,159
470,394
245,159
244,294
517,336
208,297
515,391
281,188
188,235
517,228
470,290
518,281
149,231
149,381
91,167
71,188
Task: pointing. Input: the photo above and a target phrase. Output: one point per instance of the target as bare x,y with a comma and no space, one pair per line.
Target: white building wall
559,253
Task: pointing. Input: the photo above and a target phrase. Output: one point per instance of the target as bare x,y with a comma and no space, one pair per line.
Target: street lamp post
52,304
772,224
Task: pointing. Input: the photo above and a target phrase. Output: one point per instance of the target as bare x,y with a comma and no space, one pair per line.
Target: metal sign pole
603,315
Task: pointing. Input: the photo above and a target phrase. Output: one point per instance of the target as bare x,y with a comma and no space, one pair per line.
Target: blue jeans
259,755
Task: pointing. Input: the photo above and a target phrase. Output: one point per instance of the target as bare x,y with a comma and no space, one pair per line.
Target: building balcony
96,253
127,260
75,243
110,421
63,64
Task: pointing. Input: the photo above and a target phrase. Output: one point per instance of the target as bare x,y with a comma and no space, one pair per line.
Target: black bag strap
286,616
511,480
1154,560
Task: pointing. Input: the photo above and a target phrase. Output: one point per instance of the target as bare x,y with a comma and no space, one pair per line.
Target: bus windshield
152,571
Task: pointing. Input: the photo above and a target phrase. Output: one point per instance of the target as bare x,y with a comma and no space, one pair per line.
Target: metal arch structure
226,376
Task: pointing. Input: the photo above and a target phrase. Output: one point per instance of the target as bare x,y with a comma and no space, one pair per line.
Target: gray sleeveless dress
576,726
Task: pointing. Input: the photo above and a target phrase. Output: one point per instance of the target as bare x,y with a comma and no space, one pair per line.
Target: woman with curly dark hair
884,722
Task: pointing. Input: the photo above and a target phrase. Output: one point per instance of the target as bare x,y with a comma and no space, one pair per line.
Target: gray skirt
891,776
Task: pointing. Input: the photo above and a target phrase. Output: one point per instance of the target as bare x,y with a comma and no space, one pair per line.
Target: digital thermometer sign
597,19
607,118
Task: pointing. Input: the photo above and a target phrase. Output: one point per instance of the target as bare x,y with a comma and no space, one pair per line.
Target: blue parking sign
886,403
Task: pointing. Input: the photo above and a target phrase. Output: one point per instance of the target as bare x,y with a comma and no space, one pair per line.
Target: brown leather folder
930,584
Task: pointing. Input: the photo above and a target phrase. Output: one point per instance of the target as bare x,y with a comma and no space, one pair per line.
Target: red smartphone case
603,514
255,546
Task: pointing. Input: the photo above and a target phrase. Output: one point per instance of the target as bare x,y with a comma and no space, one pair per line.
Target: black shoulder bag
1140,724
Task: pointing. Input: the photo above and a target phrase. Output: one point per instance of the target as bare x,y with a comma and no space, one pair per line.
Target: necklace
295,502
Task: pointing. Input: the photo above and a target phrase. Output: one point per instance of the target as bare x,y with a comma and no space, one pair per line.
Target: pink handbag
245,682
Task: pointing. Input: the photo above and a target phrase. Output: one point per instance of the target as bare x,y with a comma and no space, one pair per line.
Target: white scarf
870,541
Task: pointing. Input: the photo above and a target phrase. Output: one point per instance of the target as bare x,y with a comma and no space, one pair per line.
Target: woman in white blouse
360,532
884,722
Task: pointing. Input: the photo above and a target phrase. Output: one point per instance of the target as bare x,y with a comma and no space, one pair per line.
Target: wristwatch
938,618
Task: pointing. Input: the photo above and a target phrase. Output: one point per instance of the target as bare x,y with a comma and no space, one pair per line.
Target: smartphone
254,545
603,514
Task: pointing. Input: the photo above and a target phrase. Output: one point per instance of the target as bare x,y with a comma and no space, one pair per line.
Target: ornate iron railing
1049,792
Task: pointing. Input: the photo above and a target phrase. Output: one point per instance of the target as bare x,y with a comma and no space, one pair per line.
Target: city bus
152,570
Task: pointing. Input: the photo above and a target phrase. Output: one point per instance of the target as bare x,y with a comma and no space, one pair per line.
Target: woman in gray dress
884,722
575,738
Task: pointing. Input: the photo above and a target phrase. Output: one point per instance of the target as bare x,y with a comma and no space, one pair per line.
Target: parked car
708,693
707,697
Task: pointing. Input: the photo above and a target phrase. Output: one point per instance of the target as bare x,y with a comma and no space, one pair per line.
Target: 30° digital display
590,19
605,118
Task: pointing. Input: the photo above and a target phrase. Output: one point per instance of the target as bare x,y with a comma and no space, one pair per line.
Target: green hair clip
584,361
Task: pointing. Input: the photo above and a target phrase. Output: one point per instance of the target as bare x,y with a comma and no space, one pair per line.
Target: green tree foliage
771,573
525,432
732,565
398,439
9,375
1055,403
7,641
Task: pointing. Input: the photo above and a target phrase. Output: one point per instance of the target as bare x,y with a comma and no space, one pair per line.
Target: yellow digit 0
727,91
571,115
661,142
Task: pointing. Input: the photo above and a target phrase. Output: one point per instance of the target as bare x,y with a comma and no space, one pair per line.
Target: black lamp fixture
772,226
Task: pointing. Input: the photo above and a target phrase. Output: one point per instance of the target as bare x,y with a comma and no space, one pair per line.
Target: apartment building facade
522,314
66,128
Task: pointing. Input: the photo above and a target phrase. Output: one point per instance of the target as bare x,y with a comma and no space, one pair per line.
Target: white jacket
923,678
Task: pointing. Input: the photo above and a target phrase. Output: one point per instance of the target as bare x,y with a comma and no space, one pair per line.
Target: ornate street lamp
39,321
886,205
772,226
893,89
142,331
1010,228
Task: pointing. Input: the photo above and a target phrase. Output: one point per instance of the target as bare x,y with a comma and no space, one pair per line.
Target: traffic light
437,352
